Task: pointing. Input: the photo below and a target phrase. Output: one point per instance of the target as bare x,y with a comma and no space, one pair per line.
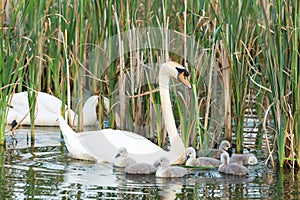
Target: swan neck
89,112
167,107
177,148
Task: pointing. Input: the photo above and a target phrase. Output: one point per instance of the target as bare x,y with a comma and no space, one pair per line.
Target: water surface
46,171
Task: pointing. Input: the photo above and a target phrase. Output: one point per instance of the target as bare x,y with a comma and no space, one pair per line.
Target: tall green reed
296,79
278,44
234,20
11,63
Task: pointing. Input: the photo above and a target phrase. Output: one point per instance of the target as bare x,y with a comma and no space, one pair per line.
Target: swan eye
183,76
183,71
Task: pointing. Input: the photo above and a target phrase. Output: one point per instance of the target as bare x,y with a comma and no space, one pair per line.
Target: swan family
134,153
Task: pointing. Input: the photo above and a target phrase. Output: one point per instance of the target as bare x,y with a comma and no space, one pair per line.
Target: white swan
243,159
103,145
122,159
47,109
200,161
215,153
231,168
164,170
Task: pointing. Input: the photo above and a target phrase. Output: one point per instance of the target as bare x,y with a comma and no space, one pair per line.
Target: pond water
46,171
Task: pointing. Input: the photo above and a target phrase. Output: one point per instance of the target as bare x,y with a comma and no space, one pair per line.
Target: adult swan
103,145
47,109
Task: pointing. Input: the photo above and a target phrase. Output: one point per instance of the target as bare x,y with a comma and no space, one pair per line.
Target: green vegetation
247,51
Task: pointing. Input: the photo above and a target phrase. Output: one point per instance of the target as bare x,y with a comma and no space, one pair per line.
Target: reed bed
243,57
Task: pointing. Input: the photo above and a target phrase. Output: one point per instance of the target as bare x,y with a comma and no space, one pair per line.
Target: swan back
122,159
140,168
201,161
164,169
205,161
243,159
231,168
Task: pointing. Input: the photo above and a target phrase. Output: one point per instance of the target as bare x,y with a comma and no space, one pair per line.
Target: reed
296,80
11,63
235,24
278,44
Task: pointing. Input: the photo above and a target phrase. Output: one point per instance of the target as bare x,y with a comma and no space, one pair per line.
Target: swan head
122,152
190,153
225,145
252,160
176,71
162,162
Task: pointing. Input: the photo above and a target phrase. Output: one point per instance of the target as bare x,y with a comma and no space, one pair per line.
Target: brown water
45,171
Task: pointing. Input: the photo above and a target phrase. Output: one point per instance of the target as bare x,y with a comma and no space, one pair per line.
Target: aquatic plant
281,72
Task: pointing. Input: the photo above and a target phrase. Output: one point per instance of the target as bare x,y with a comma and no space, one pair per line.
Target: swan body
122,159
243,159
231,168
140,168
215,153
164,169
103,145
191,159
47,109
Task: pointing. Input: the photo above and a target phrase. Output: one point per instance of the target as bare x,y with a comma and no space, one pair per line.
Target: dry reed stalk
122,77
209,88
266,137
225,71
68,78
154,112
184,33
132,38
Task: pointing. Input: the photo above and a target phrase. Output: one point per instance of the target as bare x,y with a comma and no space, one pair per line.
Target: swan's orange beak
184,79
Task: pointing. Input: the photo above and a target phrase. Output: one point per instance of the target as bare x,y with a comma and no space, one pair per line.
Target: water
45,171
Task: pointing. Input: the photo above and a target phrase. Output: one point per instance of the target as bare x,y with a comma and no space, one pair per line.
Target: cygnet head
162,162
225,145
190,152
252,160
177,71
122,152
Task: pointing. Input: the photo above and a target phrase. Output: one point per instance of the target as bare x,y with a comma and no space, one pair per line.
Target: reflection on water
45,171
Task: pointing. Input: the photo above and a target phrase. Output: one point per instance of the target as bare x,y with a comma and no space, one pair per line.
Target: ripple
45,171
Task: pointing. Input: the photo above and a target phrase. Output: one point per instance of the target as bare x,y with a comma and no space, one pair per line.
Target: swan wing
104,145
